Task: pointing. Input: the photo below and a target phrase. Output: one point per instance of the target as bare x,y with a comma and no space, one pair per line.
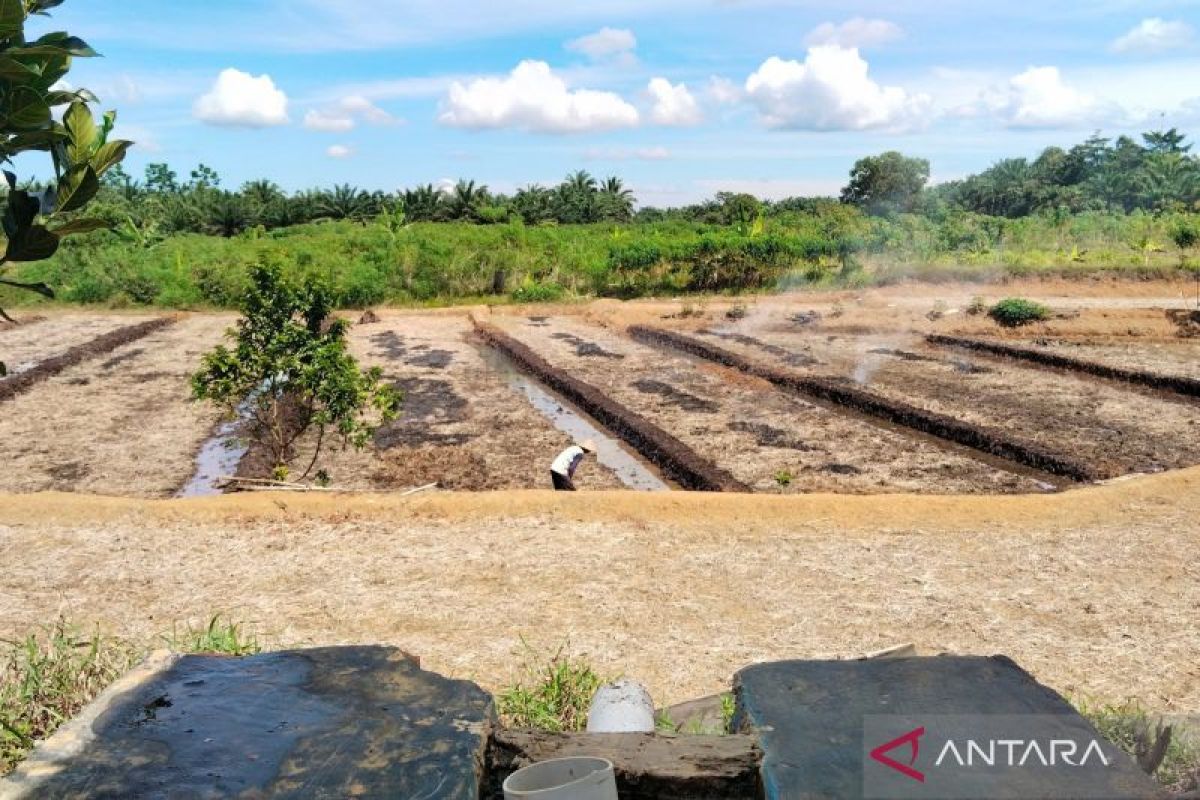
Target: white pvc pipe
576,778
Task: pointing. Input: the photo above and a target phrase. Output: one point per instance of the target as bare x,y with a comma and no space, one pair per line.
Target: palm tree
577,198
465,200
345,202
422,204
616,202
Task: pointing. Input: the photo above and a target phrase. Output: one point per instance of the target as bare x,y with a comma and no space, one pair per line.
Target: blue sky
681,99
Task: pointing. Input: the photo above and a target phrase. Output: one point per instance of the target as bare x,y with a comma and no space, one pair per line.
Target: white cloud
533,98
723,91
831,91
605,43
673,104
339,151
1155,35
1040,98
239,99
329,123
344,114
856,32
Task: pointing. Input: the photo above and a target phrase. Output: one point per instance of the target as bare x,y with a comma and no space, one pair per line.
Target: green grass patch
554,693
1135,730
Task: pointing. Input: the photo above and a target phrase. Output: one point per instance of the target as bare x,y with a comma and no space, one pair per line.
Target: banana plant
80,148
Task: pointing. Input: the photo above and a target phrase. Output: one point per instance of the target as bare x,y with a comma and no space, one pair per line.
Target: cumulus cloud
856,32
344,115
723,91
533,98
673,104
1040,98
605,43
339,151
831,91
1155,35
239,99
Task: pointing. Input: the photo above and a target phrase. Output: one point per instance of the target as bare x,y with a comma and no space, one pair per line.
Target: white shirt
567,461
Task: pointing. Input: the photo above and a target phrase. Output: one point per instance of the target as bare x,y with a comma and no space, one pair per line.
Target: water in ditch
219,456
629,467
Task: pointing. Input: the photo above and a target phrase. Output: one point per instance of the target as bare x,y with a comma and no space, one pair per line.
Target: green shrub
221,635
531,291
1015,311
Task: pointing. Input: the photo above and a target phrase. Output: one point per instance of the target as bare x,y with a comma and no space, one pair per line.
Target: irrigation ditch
44,370
990,442
1173,384
677,461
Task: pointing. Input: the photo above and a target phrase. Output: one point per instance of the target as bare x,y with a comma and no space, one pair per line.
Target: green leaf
13,70
34,140
63,98
35,243
26,109
22,210
56,44
78,187
77,226
12,18
81,127
109,155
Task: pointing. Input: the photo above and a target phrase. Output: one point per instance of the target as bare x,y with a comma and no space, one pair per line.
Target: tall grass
50,675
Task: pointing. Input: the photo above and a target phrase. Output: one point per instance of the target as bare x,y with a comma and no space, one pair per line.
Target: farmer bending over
563,468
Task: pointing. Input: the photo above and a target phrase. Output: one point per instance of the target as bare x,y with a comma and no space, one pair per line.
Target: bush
1015,311
531,291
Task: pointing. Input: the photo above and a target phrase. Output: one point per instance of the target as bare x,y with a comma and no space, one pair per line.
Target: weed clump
1172,761
1013,312
555,694
46,678
221,635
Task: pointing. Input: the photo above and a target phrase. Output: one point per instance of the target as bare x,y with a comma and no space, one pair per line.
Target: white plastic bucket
576,778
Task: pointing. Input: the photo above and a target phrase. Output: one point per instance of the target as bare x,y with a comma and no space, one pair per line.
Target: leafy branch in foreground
291,372
80,150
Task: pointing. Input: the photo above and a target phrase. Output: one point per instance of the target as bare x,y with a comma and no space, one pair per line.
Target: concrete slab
924,727
322,723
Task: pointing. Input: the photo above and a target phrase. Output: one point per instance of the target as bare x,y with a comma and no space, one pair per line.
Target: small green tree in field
290,371
79,148
1186,235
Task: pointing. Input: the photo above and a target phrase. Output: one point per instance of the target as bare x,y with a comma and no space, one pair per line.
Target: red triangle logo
913,740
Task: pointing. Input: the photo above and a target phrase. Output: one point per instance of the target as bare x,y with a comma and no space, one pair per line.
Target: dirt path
122,423
1093,591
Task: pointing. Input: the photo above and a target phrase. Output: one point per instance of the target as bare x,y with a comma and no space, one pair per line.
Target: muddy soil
125,429
24,346
816,449
461,426
1110,426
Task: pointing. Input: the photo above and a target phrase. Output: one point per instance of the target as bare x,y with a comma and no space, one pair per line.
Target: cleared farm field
1114,429
770,441
476,417
462,425
120,424
24,346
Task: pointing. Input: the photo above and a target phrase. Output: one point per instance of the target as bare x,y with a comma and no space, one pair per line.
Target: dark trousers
561,482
